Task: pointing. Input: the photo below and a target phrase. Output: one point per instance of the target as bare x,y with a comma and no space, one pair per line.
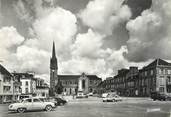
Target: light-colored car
31,104
81,95
90,94
104,95
112,98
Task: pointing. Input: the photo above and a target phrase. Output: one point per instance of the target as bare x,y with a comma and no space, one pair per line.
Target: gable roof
68,77
157,62
4,71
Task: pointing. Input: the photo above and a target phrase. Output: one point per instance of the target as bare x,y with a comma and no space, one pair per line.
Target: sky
92,36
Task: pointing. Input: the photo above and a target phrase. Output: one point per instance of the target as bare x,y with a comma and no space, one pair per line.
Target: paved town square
94,107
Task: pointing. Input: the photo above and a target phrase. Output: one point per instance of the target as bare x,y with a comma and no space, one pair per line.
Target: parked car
31,104
57,100
90,94
160,96
60,101
112,98
104,95
81,95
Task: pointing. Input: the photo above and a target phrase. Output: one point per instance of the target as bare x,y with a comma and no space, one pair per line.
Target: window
169,71
168,78
145,73
26,83
161,89
27,90
28,100
164,71
161,80
151,72
36,100
159,71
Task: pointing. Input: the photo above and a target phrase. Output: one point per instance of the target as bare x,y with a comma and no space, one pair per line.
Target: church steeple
53,61
53,50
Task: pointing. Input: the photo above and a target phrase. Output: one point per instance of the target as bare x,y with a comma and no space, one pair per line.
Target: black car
60,101
159,96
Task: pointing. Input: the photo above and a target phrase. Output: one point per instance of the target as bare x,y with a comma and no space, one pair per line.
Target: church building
71,83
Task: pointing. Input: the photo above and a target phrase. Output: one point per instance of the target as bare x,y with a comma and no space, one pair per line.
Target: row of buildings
141,82
15,85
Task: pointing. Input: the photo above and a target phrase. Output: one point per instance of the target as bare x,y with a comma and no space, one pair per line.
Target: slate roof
157,62
4,71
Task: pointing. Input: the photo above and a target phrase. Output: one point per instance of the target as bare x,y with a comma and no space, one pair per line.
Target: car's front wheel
21,110
48,108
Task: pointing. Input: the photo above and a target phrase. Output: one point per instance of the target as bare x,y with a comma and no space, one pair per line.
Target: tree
59,87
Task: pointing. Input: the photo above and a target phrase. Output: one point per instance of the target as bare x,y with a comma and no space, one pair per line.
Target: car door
28,104
38,104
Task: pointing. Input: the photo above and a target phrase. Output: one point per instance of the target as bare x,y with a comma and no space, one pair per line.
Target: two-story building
42,89
28,83
6,85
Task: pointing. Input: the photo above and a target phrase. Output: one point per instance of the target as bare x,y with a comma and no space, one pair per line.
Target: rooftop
4,71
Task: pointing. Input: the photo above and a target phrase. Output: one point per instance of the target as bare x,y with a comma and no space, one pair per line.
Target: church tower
53,69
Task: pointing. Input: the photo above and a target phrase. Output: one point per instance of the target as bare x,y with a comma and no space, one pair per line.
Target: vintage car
160,96
57,100
31,104
112,98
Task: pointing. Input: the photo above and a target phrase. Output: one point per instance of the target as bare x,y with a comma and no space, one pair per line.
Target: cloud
59,25
32,59
88,44
104,15
22,12
150,33
9,40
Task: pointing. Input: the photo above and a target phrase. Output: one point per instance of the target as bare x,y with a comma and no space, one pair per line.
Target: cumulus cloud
150,33
59,25
9,40
32,59
104,15
88,44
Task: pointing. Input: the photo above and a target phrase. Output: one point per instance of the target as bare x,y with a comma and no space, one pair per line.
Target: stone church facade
84,83
71,83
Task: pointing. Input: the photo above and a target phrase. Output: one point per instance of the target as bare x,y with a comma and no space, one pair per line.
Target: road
94,107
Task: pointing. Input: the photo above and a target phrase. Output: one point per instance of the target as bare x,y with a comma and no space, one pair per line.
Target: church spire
53,61
53,51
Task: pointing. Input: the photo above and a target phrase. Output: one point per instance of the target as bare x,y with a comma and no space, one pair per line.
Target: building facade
42,89
28,83
134,82
74,83
155,77
6,85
